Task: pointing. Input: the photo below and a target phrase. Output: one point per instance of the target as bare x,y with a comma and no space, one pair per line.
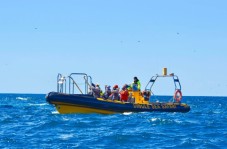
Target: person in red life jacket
124,93
114,93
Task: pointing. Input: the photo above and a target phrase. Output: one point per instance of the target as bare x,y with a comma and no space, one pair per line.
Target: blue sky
113,41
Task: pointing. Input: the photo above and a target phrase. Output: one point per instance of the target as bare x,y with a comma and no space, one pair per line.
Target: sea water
28,121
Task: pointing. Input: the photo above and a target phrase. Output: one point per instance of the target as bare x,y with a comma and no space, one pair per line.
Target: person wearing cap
136,84
96,90
107,92
114,93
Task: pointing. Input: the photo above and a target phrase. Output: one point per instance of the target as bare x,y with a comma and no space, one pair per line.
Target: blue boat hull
79,103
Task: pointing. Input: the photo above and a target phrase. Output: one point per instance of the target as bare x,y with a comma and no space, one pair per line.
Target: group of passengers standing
116,93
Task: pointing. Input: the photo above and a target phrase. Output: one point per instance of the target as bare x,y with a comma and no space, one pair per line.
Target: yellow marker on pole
164,72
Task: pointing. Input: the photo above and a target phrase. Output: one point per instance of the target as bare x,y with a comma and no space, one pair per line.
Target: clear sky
113,41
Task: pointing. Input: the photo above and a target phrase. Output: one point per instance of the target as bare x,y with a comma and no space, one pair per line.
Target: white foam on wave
66,136
193,121
127,113
178,121
21,98
65,119
41,104
185,141
55,112
217,111
154,119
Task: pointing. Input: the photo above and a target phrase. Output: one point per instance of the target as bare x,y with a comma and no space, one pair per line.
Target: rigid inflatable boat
66,100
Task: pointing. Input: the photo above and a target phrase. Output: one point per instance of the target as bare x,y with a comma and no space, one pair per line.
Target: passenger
146,95
136,84
114,93
96,90
131,99
101,92
107,92
129,88
124,93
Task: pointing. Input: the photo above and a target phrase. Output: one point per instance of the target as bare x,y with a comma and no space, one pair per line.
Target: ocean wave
6,106
34,120
66,136
40,104
165,121
55,112
22,98
127,113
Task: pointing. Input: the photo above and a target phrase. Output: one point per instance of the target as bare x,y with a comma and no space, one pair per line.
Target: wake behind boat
67,101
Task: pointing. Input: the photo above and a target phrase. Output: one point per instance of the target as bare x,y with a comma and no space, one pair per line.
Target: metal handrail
176,80
151,80
63,82
86,86
154,78
59,76
70,78
86,81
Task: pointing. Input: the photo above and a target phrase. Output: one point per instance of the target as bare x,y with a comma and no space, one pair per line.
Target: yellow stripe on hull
64,109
